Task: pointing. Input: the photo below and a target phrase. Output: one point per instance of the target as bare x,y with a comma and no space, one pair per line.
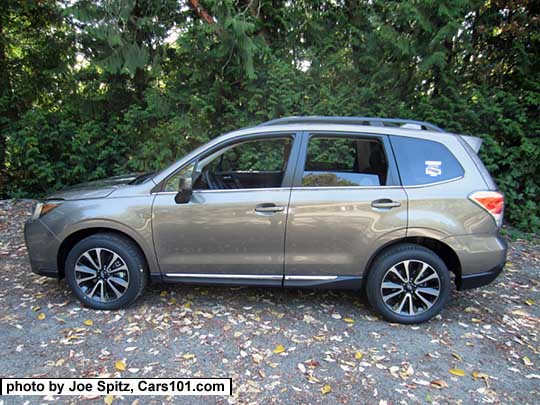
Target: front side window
423,162
345,161
258,163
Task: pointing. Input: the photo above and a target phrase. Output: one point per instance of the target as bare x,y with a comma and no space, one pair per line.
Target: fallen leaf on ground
326,389
88,322
457,371
394,370
477,374
120,365
279,349
41,316
406,371
358,355
439,384
457,356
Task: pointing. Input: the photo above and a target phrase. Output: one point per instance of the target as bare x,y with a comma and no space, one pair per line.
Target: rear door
346,202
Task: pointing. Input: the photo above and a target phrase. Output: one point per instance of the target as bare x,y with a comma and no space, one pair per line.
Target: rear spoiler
473,141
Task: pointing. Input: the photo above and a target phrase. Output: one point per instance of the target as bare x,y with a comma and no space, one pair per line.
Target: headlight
43,208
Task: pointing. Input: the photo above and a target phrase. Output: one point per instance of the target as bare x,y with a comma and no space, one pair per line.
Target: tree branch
201,12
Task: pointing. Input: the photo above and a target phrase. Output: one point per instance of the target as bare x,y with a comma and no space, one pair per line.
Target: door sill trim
268,280
310,278
229,276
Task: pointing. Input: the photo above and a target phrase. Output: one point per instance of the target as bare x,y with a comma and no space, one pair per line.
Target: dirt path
332,341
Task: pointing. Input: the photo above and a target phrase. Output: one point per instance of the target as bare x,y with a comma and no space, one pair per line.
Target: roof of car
371,121
325,127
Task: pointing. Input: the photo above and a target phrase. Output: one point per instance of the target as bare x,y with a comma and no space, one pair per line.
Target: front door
346,203
232,231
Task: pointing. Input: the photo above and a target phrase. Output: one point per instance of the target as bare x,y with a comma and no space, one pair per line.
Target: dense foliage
95,88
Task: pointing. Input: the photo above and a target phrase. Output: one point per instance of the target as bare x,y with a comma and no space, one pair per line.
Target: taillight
492,202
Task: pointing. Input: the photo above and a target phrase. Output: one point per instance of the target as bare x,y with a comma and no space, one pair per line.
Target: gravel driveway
293,346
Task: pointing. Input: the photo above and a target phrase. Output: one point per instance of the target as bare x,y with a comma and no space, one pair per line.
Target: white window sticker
433,168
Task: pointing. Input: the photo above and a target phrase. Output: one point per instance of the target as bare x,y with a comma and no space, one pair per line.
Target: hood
93,189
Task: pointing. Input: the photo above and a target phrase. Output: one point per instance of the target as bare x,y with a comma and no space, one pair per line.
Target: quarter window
345,161
173,184
422,162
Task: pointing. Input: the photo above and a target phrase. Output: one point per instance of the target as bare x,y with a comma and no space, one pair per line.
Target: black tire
128,251
395,256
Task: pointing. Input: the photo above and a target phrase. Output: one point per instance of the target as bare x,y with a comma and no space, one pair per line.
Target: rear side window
422,162
344,162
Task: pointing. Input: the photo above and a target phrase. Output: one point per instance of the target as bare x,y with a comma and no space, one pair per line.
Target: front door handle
269,207
385,203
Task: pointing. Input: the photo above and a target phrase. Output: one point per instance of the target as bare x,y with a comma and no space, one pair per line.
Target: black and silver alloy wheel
408,283
102,274
410,287
106,271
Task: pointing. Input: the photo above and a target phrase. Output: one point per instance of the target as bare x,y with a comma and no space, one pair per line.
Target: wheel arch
441,249
75,237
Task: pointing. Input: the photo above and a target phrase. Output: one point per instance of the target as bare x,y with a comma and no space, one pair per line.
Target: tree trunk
6,111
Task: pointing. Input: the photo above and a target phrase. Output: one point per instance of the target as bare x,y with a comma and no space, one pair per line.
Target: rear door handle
269,207
385,203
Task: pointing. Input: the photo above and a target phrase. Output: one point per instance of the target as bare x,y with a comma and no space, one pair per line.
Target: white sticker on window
433,168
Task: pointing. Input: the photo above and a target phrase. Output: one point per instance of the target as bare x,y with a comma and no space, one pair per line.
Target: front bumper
42,247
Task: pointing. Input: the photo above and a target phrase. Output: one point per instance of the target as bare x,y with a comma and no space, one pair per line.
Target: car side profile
399,208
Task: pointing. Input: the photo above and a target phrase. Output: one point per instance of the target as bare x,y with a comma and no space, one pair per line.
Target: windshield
141,178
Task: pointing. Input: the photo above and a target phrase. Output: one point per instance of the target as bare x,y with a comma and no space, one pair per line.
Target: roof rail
374,121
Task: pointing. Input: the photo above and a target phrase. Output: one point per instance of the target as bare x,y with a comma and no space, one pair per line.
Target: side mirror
186,189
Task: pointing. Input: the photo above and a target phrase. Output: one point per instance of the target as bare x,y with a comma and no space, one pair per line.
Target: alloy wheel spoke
119,281
112,261
395,271
85,269
98,254
427,303
392,295
402,303
425,266
82,280
390,285
431,291
406,265
102,291
92,262
115,290
123,267
430,277
411,304
93,291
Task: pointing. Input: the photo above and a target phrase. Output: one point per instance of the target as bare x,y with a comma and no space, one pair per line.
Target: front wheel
106,271
408,284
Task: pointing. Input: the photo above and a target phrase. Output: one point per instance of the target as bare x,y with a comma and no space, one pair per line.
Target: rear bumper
42,247
482,258
470,281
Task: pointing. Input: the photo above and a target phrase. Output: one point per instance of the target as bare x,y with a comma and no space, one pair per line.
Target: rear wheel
408,284
106,271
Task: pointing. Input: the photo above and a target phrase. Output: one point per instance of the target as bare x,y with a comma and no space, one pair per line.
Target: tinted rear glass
422,162
344,162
